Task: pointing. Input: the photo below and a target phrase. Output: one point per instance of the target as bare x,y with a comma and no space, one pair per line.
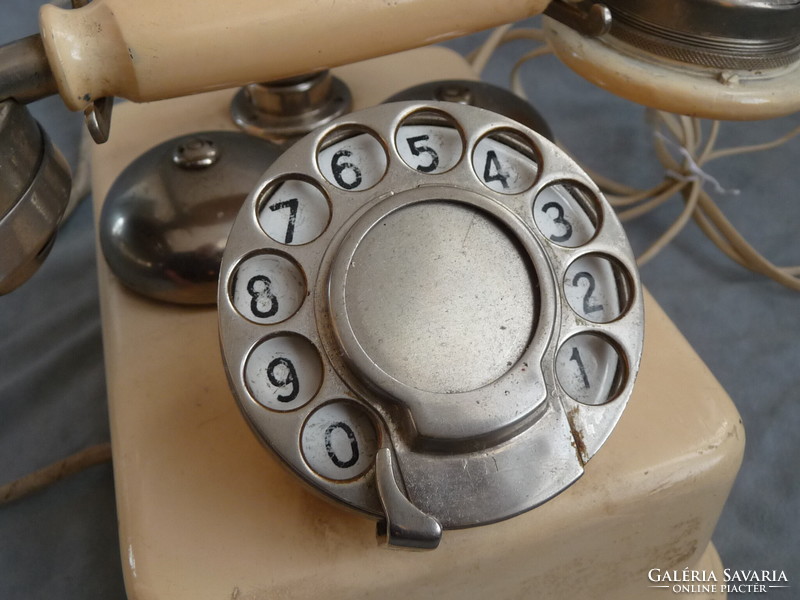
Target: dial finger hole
352,159
506,162
589,369
267,288
294,212
283,372
597,288
339,441
566,213
429,142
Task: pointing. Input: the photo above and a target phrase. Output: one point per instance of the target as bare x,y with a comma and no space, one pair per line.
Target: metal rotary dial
430,313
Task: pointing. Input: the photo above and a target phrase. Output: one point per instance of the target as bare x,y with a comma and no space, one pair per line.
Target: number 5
416,150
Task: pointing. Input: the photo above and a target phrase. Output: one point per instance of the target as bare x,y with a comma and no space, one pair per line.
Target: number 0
351,436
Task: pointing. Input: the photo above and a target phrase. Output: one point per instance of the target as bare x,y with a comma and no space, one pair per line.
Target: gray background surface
62,543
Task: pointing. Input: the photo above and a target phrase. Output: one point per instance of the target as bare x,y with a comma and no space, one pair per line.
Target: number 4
498,175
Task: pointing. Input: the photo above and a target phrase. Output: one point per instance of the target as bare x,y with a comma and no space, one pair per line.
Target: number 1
576,356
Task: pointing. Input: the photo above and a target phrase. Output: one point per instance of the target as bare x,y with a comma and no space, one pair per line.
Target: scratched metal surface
62,543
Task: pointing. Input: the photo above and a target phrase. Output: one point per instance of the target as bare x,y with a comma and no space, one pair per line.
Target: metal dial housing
430,314
724,34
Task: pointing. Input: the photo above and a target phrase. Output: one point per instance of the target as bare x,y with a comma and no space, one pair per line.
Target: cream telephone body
335,298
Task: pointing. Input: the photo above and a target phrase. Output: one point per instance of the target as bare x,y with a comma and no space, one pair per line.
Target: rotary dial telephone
427,311
431,314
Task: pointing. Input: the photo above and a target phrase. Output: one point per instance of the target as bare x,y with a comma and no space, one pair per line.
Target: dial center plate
441,297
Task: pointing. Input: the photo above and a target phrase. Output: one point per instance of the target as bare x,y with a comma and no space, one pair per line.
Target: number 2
588,307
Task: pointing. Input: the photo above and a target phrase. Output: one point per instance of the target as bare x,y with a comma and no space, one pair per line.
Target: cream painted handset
430,314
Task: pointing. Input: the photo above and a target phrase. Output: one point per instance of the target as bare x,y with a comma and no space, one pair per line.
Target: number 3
559,220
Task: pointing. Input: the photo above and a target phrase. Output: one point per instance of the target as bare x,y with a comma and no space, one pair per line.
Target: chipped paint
577,436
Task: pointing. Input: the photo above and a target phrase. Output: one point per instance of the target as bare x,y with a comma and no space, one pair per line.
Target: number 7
291,204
